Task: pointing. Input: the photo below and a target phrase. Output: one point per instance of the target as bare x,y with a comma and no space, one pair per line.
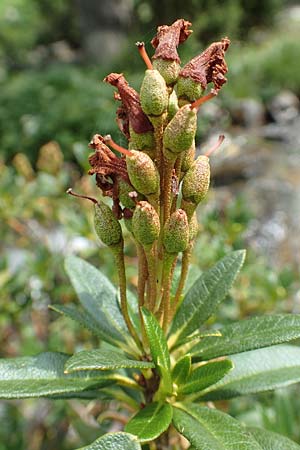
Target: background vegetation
51,103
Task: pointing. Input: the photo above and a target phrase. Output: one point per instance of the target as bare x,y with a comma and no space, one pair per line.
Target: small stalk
196,104
151,256
142,273
167,190
118,251
166,284
144,55
186,257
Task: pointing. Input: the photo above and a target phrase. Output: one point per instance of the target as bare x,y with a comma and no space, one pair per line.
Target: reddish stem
70,192
216,146
143,53
108,140
197,103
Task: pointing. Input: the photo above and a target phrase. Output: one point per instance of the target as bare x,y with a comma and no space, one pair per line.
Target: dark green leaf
205,376
210,429
99,359
83,318
43,376
114,441
248,335
150,422
98,297
181,370
258,371
158,347
205,295
272,441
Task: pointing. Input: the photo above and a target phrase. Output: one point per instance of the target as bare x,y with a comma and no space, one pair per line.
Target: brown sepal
108,169
209,66
168,38
131,109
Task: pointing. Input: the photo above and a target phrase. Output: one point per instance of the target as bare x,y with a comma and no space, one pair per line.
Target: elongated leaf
43,376
272,441
258,371
205,295
158,347
150,422
82,318
114,441
249,335
181,370
98,297
210,429
99,359
206,375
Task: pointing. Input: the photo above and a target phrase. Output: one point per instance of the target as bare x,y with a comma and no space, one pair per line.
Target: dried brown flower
209,66
168,38
108,169
130,111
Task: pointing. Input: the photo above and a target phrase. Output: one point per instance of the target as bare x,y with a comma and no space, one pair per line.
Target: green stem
186,257
118,251
151,256
167,280
142,273
125,381
167,189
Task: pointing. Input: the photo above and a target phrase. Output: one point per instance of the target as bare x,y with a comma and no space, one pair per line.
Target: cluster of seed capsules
156,183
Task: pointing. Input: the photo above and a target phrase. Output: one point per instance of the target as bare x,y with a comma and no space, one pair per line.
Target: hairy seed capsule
193,227
143,141
188,90
145,223
154,93
176,232
124,191
173,105
142,173
196,181
169,70
107,227
188,158
180,132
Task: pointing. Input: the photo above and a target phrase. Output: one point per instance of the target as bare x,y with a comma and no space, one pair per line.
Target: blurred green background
53,56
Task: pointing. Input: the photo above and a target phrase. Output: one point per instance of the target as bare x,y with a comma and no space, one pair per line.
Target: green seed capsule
173,105
176,232
188,90
143,141
145,223
107,227
124,190
169,70
188,158
154,94
196,181
193,227
142,173
180,132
